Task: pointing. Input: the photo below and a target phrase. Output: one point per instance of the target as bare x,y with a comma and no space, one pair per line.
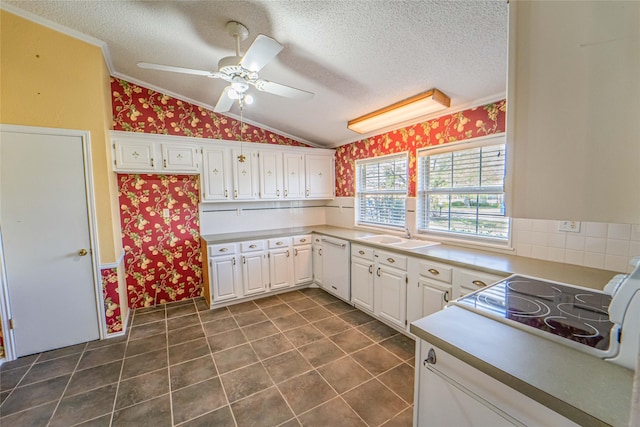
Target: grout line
126,346
53,414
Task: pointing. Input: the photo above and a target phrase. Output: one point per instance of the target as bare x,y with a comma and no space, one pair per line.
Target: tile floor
299,358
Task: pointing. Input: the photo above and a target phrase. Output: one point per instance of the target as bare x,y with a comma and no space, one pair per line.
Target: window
461,190
381,190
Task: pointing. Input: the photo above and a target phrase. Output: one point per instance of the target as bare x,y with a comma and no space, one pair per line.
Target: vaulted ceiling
356,56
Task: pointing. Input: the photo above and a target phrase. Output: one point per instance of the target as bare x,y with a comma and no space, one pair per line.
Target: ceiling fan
242,71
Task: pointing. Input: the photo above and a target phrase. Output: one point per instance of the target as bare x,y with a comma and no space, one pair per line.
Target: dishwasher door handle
339,245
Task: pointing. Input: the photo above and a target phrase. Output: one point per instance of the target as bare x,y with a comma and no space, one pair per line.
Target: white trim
465,144
85,137
115,264
61,29
5,309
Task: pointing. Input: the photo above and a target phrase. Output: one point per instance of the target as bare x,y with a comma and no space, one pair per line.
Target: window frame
422,194
359,192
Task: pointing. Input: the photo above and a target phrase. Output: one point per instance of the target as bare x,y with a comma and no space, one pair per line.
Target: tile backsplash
598,244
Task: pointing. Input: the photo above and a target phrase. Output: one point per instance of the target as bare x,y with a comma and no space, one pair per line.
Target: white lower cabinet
390,287
225,278
255,272
280,263
318,260
362,274
449,392
302,264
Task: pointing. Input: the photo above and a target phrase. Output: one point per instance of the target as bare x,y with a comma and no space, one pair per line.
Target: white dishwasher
336,254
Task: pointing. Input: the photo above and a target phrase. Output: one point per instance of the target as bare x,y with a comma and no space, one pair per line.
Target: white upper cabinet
176,157
293,176
134,155
245,174
215,174
146,153
271,180
320,180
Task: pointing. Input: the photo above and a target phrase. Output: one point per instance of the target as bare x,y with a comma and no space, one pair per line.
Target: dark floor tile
95,377
291,296
306,391
184,301
400,381
50,369
191,372
264,409
3,396
85,406
243,307
143,387
149,309
291,321
219,418
10,379
180,310
60,352
278,311
268,301
249,318
219,326
156,413
293,422
198,399
400,345
321,352
202,304
144,318
377,331
304,335
34,394
332,326
260,330
188,350
190,333
103,421
226,340
339,307
302,304
376,359
286,365
356,317
332,413
312,291
344,374
351,340
147,344
270,346
19,362
34,417
245,381
324,299
234,358
403,419
214,314
148,329
92,345
183,321
374,402
315,314
144,363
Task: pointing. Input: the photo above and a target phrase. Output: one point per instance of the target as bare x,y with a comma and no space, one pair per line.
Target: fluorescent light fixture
411,108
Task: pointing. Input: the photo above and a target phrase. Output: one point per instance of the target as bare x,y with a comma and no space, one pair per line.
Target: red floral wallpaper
162,252
137,109
1,342
475,122
111,299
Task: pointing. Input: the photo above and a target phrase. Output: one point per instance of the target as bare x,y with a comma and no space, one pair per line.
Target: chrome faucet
408,232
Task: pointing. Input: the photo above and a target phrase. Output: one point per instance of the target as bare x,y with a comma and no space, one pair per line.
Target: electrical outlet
570,226
165,213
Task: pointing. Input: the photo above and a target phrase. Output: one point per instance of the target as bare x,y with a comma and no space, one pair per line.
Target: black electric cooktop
568,312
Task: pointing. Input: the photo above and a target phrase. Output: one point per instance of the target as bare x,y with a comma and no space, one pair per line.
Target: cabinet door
302,264
434,297
176,157
135,156
270,174
224,278
390,294
255,273
293,176
319,177
318,264
362,283
216,183
245,174
280,268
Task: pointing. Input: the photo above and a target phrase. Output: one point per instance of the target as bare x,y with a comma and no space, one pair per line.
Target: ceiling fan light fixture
233,94
239,84
411,108
248,99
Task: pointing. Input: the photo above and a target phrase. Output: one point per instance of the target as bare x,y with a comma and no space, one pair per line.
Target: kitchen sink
397,242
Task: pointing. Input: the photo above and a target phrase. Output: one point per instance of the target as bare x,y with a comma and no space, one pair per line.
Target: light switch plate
570,226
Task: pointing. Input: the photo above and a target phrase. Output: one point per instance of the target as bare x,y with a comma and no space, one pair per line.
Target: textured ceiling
356,56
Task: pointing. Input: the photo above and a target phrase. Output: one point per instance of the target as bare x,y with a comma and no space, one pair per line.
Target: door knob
82,252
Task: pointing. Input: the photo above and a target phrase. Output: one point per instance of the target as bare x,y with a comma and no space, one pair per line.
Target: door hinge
406,322
11,325
406,280
115,162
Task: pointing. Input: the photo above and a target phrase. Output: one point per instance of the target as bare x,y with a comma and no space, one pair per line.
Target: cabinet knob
361,252
431,358
303,240
433,271
479,283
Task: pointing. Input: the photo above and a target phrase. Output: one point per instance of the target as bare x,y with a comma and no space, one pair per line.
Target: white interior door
45,229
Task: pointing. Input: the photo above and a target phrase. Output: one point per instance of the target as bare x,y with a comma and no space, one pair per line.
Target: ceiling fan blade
262,50
224,102
173,69
282,90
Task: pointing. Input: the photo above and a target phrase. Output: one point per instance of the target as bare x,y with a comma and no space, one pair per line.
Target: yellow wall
48,79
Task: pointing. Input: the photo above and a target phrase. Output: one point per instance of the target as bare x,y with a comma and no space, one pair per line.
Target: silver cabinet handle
371,269
244,260
279,243
445,296
252,246
153,164
226,194
223,250
433,271
479,283
378,272
340,245
320,251
288,254
295,252
391,260
233,261
306,193
235,194
278,193
286,193
164,163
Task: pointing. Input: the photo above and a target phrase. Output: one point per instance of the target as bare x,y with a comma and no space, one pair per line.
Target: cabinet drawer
362,252
302,240
317,239
222,249
253,245
280,242
470,280
435,271
391,259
